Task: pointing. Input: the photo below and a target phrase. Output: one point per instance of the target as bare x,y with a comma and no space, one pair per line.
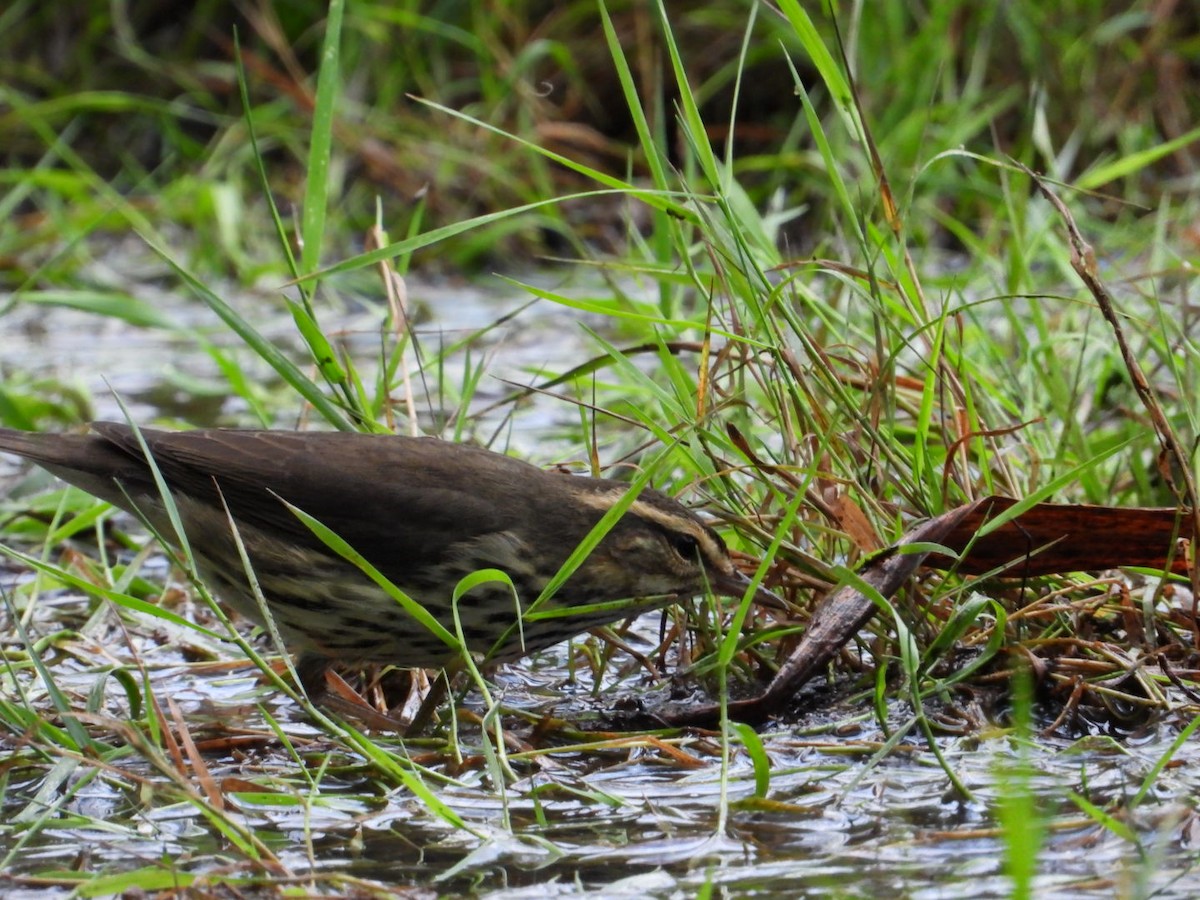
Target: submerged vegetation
812,278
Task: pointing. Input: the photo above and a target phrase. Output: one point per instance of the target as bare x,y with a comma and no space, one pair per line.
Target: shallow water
622,815
168,371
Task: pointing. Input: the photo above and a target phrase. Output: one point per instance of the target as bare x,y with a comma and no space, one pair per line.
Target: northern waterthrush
422,511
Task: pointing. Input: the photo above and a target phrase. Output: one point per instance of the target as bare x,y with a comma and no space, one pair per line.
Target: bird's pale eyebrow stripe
708,547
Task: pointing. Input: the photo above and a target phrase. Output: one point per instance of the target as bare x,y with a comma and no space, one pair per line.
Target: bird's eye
685,545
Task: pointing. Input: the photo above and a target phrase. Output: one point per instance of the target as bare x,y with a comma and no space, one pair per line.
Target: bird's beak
736,583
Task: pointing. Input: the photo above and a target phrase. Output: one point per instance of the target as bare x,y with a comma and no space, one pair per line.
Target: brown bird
422,511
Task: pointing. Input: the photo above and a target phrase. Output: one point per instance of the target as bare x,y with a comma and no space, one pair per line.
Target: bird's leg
437,693
310,669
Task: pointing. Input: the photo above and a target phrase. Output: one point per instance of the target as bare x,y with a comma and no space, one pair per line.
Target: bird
422,511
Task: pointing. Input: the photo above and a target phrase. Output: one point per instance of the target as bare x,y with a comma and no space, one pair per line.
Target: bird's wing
386,496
